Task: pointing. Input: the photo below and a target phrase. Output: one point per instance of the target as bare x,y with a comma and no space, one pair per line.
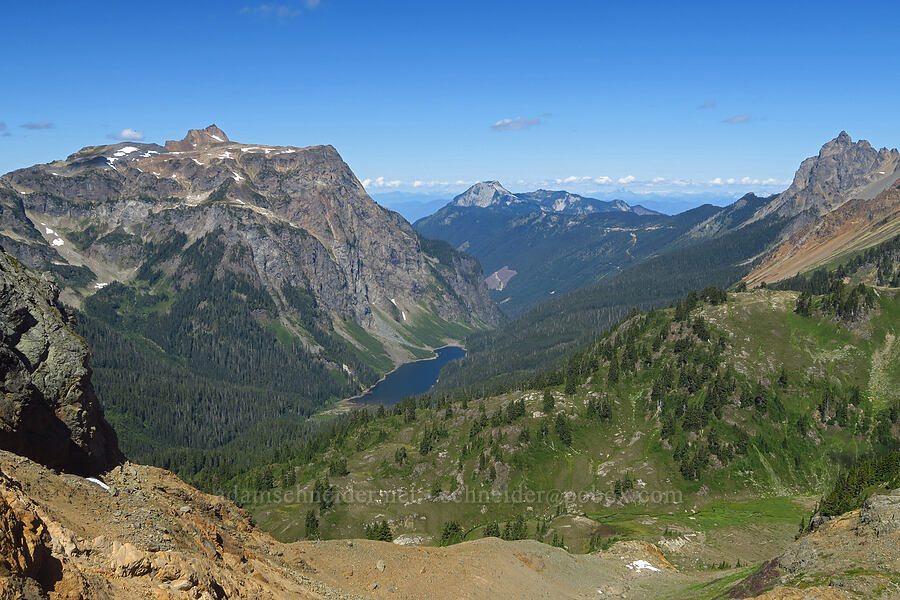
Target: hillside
150,535
841,201
854,226
705,429
541,337
553,241
224,286
602,450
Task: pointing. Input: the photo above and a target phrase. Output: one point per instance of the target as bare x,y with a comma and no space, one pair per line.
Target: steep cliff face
300,214
48,409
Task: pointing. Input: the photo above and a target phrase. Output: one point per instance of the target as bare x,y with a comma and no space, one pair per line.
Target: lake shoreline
352,401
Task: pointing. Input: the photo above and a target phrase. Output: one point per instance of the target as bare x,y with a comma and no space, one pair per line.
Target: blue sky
589,96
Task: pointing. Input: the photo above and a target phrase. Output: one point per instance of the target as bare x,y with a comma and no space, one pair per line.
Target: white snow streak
641,565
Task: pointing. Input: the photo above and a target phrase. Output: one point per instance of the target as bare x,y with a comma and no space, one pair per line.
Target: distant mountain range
842,201
535,245
489,194
411,206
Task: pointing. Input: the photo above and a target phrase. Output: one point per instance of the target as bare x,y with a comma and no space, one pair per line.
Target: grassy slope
540,338
744,511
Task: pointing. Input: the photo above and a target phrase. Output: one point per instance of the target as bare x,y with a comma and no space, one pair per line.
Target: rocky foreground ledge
150,535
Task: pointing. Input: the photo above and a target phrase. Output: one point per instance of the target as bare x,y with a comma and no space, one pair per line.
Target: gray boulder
48,409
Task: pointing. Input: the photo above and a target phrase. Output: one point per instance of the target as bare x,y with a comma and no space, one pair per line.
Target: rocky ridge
852,556
300,214
855,225
842,170
48,408
846,181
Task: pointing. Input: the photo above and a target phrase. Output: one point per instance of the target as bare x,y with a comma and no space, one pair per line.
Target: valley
467,459
330,300
554,242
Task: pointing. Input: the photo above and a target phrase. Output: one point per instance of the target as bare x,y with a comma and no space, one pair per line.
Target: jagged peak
199,137
842,143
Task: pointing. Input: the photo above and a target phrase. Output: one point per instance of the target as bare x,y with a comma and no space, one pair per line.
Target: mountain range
647,435
491,194
842,201
215,276
535,245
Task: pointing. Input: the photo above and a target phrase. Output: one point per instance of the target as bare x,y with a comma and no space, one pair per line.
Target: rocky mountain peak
842,170
198,138
484,194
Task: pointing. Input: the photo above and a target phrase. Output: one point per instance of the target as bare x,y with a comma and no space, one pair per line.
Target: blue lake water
412,378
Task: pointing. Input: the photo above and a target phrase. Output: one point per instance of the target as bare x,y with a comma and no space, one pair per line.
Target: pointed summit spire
198,138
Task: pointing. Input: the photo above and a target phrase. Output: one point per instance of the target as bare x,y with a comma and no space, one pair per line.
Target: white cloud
707,105
381,182
657,180
418,183
602,180
517,124
737,120
731,181
574,179
627,179
716,181
127,134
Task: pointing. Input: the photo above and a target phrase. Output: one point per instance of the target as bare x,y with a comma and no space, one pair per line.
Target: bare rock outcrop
48,409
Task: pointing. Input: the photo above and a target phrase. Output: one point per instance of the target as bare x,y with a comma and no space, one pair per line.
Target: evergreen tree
563,429
492,529
290,477
451,533
312,525
379,531
338,467
265,480
549,402
613,375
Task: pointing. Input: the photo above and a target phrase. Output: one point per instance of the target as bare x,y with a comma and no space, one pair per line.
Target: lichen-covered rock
880,516
24,544
48,409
